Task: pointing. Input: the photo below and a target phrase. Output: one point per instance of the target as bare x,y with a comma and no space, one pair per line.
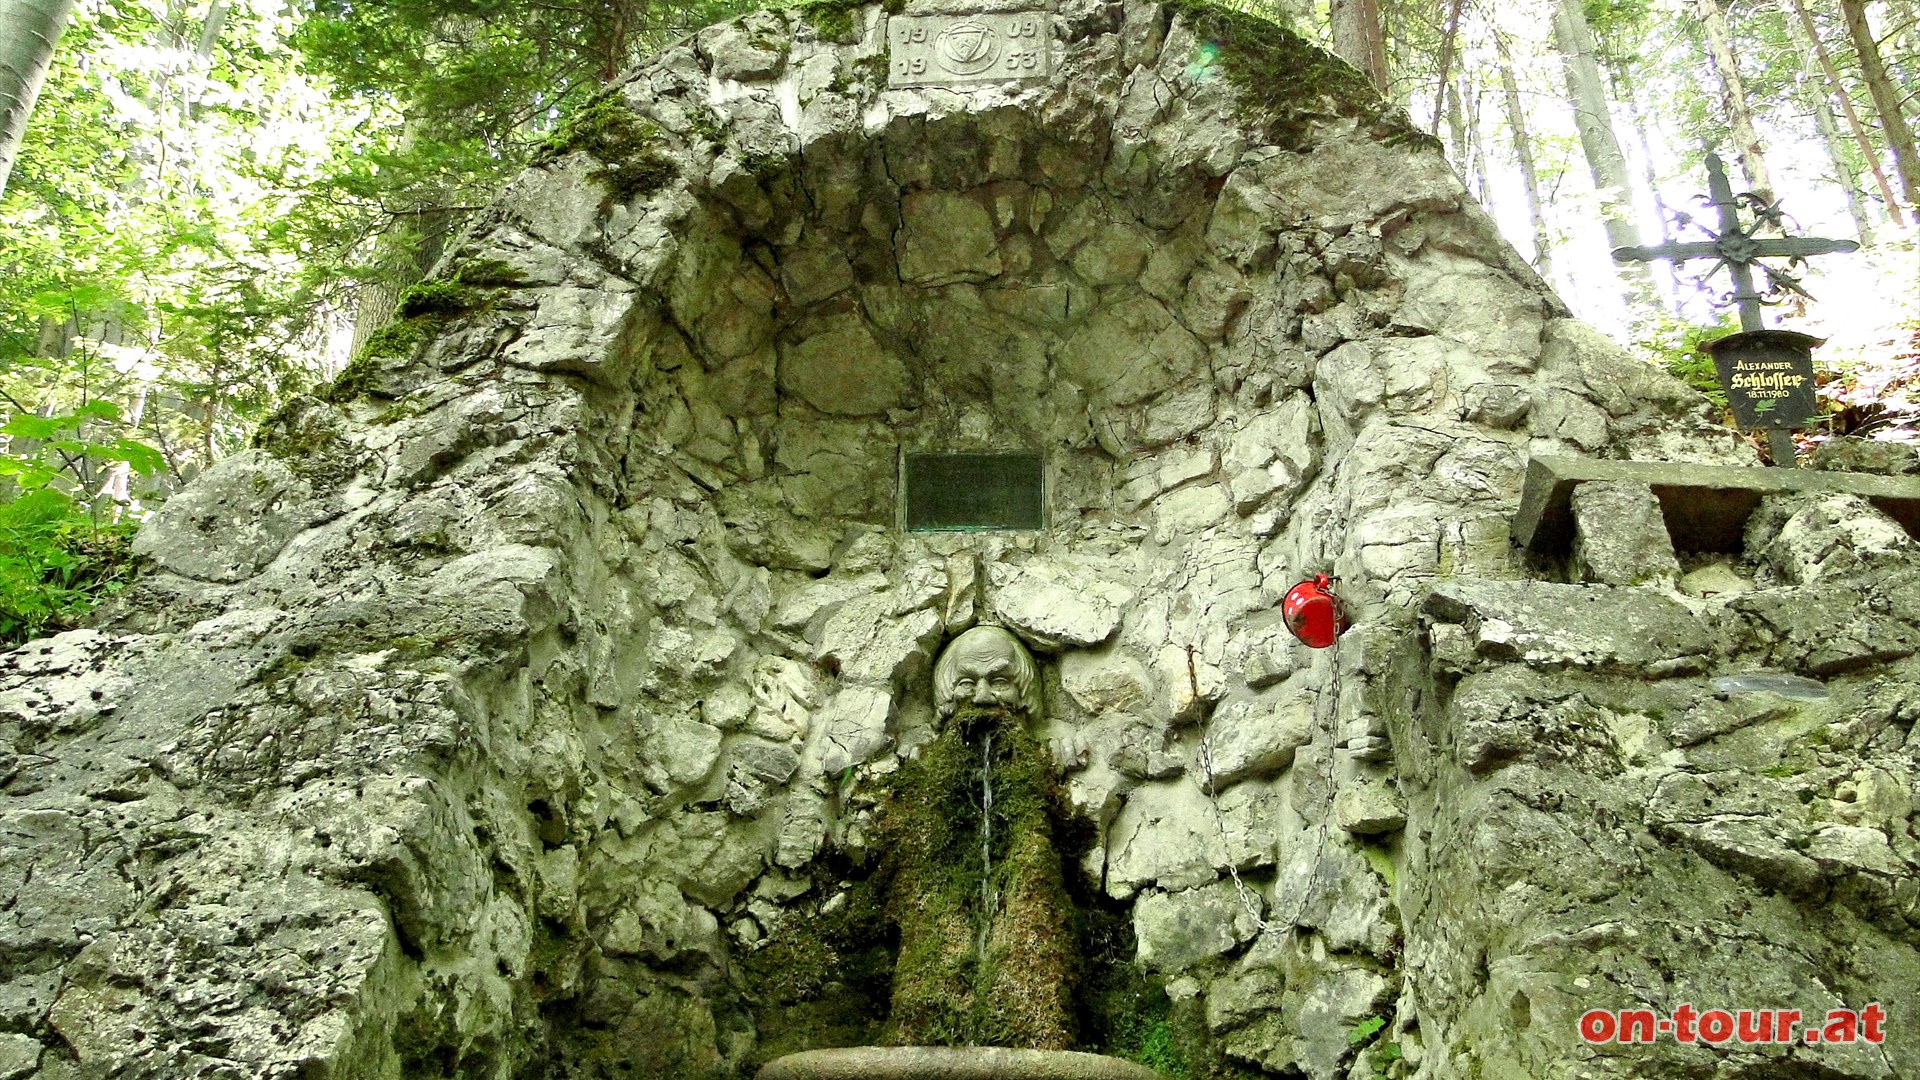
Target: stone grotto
528,702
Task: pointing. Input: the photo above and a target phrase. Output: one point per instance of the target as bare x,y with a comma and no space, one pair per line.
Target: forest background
212,203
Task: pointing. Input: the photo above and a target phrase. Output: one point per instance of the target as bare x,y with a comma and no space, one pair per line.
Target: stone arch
569,640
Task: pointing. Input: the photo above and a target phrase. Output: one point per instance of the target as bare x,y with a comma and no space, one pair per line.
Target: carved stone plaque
955,50
974,491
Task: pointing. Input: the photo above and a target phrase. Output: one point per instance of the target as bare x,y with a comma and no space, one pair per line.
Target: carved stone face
985,666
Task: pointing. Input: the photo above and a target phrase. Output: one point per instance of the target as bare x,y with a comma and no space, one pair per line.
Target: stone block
1620,537
1178,930
1705,506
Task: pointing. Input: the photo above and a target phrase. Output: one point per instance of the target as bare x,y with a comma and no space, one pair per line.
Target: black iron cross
1738,248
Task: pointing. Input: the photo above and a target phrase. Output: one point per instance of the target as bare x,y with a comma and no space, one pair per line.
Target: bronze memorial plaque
974,491
957,50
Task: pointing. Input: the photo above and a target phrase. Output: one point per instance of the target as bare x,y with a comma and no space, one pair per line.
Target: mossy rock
1286,82
306,433
627,142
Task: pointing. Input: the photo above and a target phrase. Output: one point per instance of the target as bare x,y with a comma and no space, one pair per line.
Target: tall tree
1359,38
1886,101
1449,34
1523,152
29,30
1733,97
1811,43
1573,39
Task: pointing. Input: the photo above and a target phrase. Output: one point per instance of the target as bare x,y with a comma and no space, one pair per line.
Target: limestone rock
1620,537
1548,625
946,237
1177,930
838,368
1165,835
1812,538
234,521
522,710
1106,680
1055,608
1257,738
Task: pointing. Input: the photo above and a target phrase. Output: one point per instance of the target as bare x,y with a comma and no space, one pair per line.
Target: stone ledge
950,1063
1705,506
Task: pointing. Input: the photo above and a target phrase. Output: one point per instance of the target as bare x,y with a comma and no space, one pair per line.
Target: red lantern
1313,613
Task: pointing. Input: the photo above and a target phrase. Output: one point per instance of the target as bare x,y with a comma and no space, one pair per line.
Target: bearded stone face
986,666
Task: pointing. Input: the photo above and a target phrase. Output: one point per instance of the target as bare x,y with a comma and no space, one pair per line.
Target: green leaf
1365,1029
139,457
29,426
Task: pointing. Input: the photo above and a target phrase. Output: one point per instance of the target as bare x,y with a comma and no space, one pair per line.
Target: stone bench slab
950,1063
1705,506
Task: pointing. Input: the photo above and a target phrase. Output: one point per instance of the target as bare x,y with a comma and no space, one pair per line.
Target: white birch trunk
29,29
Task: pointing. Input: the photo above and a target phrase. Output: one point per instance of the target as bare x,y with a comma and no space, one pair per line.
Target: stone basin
950,1063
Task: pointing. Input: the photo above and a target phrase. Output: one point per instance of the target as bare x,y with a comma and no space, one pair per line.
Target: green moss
638,177
831,20
604,127
285,666
438,298
1381,860
489,273
397,341
766,167
629,143
1285,82
707,125
821,979
423,310
1134,1021
966,975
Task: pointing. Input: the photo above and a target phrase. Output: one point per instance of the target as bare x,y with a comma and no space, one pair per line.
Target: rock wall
515,699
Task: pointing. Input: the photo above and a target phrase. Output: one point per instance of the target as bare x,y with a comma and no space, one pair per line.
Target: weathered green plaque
975,491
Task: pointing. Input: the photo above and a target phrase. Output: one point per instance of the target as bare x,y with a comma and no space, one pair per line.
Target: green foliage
1364,1031
55,564
58,446
1674,344
1137,1024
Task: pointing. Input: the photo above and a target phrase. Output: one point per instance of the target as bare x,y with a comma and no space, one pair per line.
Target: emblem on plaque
967,48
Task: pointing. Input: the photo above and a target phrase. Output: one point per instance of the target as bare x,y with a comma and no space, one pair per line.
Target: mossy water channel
971,925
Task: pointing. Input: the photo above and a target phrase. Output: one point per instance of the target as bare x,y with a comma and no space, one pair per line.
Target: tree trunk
407,249
29,30
1440,85
1477,132
1886,101
1733,97
1843,170
1574,40
1641,123
1358,38
1523,151
1838,90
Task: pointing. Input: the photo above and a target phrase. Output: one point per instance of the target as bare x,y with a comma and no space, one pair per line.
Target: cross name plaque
956,50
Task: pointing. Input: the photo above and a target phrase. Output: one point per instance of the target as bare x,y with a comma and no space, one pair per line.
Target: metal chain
1327,713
